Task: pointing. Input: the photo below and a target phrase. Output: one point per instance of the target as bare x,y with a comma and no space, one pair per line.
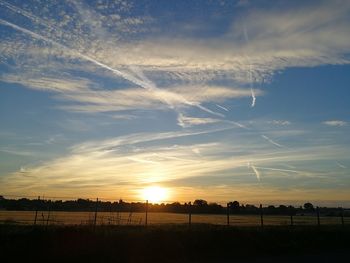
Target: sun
154,194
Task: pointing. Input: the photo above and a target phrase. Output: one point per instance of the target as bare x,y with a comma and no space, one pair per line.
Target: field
173,243
106,218
123,237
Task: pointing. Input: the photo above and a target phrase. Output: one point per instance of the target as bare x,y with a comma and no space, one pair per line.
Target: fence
140,214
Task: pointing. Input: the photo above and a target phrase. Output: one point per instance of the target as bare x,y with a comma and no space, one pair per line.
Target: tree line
199,206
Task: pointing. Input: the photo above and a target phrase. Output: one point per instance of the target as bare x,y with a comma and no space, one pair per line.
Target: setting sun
154,194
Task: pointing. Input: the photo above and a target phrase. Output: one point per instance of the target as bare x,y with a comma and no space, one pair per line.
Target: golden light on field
155,194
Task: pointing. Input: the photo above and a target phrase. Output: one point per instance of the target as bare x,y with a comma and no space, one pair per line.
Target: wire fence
46,212
139,218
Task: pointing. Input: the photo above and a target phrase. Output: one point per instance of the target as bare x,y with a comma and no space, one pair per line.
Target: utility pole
146,220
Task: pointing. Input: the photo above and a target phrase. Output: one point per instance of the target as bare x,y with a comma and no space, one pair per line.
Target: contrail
257,174
221,107
27,14
246,37
144,82
37,36
253,97
280,170
341,165
198,105
238,124
271,141
32,17
176,96
148,85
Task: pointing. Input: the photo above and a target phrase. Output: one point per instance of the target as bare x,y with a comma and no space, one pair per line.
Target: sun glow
155,194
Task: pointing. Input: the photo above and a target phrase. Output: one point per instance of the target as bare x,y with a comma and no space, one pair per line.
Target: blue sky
220,100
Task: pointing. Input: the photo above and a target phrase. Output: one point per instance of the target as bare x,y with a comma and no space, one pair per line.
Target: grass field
106,218
172,243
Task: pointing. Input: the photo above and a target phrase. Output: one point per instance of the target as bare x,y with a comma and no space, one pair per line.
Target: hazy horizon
176,100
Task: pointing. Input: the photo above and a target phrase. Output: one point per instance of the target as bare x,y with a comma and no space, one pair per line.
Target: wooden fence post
48,214
95,217
342,217
318,216
228,214
261,216
36,212
146,220
190,214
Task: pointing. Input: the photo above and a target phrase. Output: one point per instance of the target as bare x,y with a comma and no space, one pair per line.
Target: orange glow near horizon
155,194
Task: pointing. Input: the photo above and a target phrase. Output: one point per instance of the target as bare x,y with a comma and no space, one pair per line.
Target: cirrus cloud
335,123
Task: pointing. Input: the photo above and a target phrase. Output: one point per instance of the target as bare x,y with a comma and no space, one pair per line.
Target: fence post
36,212
190,214
228,214
318,216
146,220
48,214
261,216
291,220
95,217
342,216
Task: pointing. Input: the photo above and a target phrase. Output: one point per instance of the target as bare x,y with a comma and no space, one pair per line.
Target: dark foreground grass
173,243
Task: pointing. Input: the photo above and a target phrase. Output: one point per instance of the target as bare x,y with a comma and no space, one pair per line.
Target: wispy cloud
185,121
341,165
142,82
273,45
154,157
136,138
136,98
271,141
335,123
18,152
280,122
53,84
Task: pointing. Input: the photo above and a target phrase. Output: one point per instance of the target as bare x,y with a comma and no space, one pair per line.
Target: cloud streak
256,172
185,121
253,98
144,82
271,46
335,123
271,141
161,157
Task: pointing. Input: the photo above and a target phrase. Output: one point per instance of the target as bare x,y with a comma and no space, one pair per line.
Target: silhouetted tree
308,207
200,202
199,206
234,206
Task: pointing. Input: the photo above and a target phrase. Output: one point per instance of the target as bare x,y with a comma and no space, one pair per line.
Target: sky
218,100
